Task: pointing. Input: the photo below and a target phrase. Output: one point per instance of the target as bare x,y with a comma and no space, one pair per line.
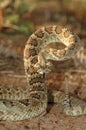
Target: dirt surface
12,68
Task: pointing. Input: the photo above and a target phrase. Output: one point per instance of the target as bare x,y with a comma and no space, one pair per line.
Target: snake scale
31,101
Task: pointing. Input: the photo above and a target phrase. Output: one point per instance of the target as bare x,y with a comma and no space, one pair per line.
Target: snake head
43,68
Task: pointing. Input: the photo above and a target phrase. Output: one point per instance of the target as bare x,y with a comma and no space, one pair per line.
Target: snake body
31,101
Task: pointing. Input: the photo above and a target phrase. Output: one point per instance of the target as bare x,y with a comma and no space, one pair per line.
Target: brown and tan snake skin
31,101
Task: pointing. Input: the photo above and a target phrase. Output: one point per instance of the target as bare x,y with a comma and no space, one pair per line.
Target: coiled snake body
31,101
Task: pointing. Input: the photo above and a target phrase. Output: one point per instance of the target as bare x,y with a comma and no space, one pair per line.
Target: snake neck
36,81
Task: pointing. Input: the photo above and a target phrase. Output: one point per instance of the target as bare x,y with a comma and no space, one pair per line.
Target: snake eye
69,112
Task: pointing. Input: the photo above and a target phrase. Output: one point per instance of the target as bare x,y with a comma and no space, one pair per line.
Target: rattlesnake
31,101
